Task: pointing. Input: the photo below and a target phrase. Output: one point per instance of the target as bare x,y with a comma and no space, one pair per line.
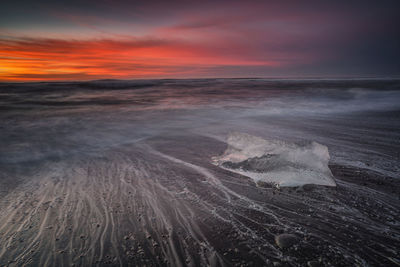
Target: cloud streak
54,59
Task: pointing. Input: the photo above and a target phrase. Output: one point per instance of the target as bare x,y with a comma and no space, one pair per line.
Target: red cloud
56,59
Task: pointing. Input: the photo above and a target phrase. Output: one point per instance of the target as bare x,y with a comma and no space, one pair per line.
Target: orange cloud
29,59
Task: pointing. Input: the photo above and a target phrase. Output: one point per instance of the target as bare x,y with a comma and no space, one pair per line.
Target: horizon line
389,77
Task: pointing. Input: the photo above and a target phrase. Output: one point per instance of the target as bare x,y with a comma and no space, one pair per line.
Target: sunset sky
104,39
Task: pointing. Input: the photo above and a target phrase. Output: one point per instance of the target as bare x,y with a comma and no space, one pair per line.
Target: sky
45,40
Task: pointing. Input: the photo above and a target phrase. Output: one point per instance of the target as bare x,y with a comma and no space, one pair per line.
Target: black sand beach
120,173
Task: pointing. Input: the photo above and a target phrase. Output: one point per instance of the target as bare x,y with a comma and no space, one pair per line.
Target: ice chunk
277,162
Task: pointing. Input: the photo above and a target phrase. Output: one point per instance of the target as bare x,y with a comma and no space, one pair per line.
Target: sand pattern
141,205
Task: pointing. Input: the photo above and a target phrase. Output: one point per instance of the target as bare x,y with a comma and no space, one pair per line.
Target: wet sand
161,202
121,173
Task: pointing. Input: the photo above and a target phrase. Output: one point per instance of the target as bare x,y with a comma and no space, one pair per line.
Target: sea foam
276,162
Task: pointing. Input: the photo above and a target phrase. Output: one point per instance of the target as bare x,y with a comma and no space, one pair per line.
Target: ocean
200,172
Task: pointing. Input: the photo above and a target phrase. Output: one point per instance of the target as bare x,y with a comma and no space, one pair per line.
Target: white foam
277,162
